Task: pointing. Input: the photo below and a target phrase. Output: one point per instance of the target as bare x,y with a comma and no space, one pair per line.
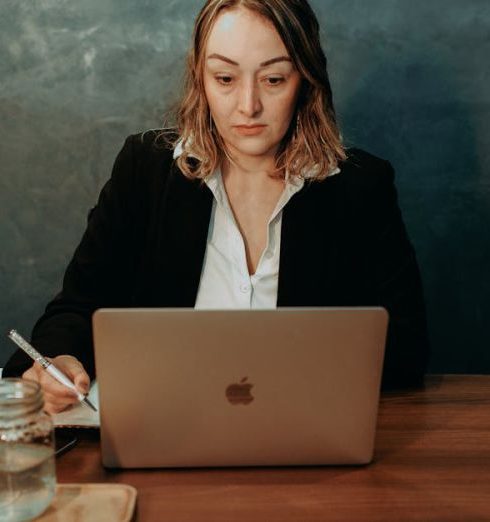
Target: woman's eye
224,80
275,81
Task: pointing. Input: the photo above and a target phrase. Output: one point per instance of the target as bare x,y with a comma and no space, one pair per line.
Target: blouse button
244,288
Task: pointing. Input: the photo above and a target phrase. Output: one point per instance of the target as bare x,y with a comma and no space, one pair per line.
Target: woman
252,202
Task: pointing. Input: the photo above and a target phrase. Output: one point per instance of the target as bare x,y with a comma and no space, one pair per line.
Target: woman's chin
253,147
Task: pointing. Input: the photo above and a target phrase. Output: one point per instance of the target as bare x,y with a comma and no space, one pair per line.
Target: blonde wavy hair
312,143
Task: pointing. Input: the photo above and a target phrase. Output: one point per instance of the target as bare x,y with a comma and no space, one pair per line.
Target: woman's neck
253,173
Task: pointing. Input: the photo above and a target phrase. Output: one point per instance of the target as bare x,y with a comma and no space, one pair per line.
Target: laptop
198,388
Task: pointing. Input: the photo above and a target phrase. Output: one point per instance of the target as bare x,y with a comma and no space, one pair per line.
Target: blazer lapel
309,245
185,213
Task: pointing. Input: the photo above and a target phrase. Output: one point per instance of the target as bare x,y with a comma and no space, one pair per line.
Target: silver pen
48,366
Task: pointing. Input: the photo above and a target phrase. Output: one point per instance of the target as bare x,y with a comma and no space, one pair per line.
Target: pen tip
88,403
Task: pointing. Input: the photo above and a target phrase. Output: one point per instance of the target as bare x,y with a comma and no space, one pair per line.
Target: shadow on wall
413,115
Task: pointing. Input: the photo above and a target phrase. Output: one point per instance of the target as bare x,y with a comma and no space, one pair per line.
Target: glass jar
27,467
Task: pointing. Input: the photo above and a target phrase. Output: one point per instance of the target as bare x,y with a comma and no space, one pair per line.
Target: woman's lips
250,130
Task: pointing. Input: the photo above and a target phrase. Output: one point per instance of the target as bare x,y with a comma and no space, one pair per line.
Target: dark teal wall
411,83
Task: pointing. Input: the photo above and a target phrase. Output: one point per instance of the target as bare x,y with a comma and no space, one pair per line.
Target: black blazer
343,243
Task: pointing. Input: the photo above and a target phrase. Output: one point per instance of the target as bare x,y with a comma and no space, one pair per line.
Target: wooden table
432,463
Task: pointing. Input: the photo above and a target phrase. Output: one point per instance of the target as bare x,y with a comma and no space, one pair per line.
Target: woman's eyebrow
263,64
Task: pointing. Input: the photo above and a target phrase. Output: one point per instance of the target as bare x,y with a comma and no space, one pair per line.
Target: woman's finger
55,407
74,370
60,403
51,386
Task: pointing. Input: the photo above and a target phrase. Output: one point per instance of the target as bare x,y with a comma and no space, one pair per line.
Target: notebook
194,388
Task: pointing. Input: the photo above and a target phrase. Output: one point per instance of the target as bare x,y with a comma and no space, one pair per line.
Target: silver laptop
191,388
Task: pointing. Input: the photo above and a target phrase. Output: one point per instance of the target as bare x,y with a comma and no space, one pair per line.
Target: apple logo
239,393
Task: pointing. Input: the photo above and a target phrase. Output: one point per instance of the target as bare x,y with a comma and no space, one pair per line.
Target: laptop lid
187,388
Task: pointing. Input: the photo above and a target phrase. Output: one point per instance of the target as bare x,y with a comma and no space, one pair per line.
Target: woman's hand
56,396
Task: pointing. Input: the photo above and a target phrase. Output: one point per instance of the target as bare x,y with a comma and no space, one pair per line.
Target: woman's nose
249,103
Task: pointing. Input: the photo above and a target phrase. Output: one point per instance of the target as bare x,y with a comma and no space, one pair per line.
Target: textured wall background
411,83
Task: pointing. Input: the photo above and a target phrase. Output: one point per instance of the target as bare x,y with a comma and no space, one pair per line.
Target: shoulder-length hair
312,146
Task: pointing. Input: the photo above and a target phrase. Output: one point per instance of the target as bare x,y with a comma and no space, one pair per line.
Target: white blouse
225,281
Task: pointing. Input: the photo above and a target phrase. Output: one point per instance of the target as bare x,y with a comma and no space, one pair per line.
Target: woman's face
249,80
